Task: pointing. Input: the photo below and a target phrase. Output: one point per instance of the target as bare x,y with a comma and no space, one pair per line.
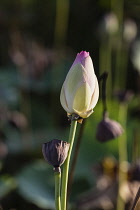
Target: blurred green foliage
34,60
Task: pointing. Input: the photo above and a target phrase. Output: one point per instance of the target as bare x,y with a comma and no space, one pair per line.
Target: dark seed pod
108,129
134,172
55,152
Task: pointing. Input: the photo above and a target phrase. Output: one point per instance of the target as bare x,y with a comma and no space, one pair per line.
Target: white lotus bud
80,91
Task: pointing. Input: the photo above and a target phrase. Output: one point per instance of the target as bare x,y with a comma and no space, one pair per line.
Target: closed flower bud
80,91
55,152
108,129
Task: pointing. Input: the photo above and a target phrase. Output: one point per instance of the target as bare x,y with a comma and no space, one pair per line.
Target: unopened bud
55,152
108,129
80,91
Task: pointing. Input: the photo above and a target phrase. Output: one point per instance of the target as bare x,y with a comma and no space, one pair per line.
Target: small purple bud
55,152
108,129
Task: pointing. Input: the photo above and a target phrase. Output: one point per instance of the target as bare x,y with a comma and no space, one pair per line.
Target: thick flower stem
75,156
104,77
62,16
105,62
136,199
122,144
57,176
66,166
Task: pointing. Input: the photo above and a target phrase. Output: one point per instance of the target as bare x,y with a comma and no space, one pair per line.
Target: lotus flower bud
55,152
108,129
80,91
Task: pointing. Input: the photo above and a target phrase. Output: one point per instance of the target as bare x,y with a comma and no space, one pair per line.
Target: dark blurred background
39,41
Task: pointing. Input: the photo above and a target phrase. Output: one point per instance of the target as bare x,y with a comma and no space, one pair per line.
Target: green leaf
36,184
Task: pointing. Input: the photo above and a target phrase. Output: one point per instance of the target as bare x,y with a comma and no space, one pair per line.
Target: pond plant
79,95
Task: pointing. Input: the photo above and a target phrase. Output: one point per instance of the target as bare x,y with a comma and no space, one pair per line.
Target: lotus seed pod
55,152
108,129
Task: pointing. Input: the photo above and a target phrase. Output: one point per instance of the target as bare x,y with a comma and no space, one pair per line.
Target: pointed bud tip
80,91
83,54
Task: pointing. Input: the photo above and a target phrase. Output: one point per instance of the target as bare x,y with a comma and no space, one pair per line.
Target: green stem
117,6
66,166
61,22
135,145
136,199
75,156
122,143
57,176
105,60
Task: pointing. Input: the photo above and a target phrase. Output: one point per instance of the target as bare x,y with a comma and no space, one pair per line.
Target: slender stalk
135,146
124,67
136,199
118,8
105,59
61,22
57,175
66,165
75,156
104,77
122,120
122,144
